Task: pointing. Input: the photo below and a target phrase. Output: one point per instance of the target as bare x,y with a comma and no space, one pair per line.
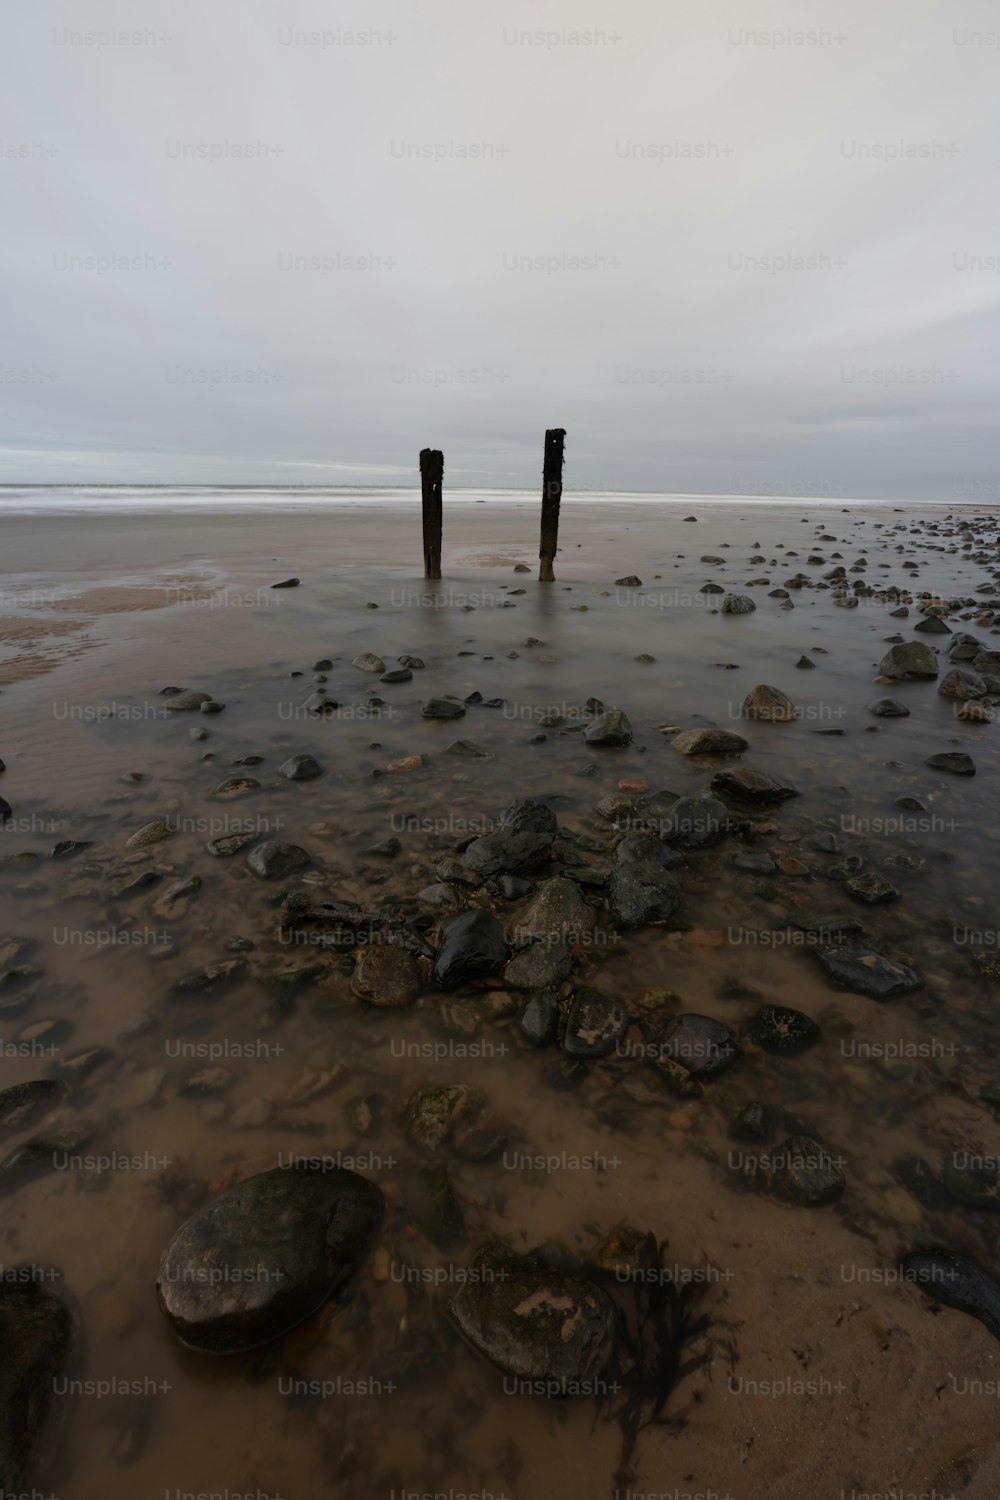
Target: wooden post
431,479
551,496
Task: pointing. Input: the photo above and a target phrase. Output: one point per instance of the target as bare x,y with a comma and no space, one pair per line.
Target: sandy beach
803,1363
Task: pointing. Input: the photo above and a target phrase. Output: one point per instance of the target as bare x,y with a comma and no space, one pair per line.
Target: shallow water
155,597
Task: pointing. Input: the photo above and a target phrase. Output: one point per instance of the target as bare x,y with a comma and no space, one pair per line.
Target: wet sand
860,1385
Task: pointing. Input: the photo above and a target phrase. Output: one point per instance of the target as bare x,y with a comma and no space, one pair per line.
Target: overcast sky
733,246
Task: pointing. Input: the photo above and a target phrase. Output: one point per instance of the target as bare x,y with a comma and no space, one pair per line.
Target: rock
468,750
753,786
647,848
961,683
641,891
805,1174
699,1044
871,889
542,965
229,844
236,786
386,976
866,972
408,763
473,946
695,822
274,861
506,851
150,833
610,728
135,884
974,713
435,1114
910,659
974,1181
210,978
295,1233
889,708
176,898
66,848
751,1124
443,708
513,888
738,604
529,815
781,1030
953,761
188,702
23,1104
536,1323
805,662
595,1025
300,768
36,1333
556,910
709,742
212,707
754,864
956,1281
933,625
367,661
539,1018
628,582
769,703
287,583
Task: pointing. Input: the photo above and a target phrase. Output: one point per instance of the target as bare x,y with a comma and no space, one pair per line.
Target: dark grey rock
534,1322
473,946
308,1226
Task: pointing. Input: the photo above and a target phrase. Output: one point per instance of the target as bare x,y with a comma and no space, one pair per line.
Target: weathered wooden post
431,480
551,496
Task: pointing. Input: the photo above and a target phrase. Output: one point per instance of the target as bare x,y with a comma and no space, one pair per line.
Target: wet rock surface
308,1226
533,1322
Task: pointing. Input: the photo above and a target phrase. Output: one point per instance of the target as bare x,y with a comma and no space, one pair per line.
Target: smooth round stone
265,1254
398,674
889,708
534,1322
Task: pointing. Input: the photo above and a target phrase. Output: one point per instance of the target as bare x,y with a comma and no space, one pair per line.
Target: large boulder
265,1254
